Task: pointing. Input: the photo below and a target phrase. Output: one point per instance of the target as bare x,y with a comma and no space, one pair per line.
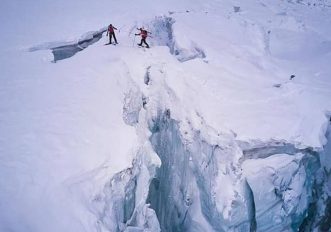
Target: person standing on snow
111,33
144,34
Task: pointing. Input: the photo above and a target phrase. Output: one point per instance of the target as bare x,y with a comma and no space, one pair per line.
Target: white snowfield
222,125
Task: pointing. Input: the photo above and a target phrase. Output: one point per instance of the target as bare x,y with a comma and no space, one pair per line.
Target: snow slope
81,139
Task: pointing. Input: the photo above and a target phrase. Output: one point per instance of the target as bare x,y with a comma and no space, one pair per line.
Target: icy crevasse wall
205,186
325,221
185,193
282,188
164,34
121,206
319,213
65,50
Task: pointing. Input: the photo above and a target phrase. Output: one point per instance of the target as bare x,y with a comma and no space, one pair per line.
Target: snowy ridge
223,125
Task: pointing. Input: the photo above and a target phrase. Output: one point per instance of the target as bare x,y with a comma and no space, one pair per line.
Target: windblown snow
222,125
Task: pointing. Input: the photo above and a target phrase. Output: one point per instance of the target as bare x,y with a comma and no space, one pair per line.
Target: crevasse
233,186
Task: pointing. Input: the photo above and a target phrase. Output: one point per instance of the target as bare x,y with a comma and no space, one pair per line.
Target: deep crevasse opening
174,189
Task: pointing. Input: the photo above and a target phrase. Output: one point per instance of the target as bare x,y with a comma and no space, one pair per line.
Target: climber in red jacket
144,34
111,33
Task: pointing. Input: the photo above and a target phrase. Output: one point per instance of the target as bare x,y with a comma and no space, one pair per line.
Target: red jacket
144,34
111,29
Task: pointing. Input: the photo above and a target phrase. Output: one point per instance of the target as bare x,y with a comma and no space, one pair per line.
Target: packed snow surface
222,125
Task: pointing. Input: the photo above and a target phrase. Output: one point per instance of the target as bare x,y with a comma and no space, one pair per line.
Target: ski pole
134,39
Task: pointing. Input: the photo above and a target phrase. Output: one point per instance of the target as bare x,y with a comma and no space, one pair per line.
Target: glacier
223,125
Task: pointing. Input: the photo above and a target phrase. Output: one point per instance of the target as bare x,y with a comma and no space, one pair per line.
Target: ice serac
282,185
